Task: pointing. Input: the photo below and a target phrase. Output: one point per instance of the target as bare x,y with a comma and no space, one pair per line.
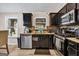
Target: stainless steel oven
72,49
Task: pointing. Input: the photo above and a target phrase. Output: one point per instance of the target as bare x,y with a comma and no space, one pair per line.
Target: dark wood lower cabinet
35,44
42,41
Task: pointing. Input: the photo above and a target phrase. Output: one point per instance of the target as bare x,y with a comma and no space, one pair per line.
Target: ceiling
31,7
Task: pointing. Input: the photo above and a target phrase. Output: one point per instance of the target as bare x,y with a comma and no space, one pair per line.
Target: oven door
71,51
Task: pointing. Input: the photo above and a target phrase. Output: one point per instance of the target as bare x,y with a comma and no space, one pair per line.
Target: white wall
20,24
20,18
20,21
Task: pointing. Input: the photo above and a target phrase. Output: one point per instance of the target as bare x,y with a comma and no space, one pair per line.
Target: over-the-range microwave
69,17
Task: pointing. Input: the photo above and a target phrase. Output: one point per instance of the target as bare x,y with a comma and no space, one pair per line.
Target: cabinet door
71,6
77,13
59,19
35,42
77,5
52,18
55,20
63,10
43,42
27,19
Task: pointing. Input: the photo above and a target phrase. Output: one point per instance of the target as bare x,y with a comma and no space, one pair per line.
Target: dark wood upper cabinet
59,14
59,18
27,19
52,18
63,10
68,7
56,18
77,13
77,5
71,6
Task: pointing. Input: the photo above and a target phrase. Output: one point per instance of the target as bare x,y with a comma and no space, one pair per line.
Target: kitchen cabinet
27,19
52,18
71,6
55,20
63,11
77,13
77,5
26,41
73,48
72,19
56,17
35,42
42,41
59,19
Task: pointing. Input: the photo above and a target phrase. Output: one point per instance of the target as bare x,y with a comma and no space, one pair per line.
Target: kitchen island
36,40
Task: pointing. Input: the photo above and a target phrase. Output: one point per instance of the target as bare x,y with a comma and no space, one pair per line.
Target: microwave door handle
69,17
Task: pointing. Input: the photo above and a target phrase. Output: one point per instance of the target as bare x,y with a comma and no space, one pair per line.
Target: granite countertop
74,39
37,33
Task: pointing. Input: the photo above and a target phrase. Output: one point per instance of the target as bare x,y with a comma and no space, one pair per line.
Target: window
12,26
40,22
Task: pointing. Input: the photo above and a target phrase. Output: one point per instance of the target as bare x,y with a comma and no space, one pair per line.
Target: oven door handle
71,43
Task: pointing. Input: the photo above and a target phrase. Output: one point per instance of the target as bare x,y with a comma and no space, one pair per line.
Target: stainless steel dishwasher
26,41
